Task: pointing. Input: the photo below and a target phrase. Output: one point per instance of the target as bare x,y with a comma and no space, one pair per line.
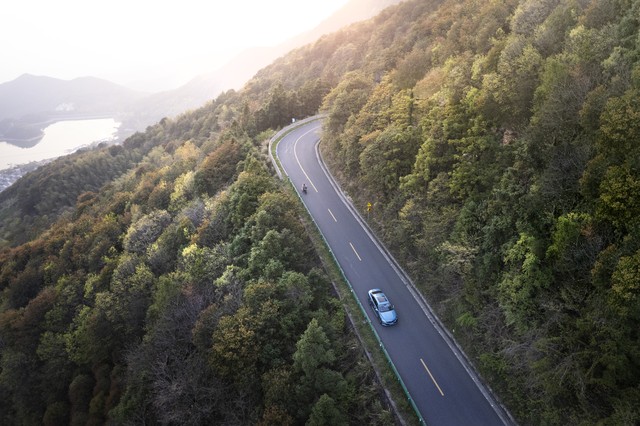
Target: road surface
443,388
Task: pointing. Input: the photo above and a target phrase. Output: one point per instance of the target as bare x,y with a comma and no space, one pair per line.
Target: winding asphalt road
443,388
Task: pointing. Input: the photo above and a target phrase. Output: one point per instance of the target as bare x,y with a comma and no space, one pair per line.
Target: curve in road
444,389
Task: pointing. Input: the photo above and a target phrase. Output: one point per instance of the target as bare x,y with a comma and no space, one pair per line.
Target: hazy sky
151,44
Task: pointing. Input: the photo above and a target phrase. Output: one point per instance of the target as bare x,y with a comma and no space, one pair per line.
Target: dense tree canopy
511,192
498,144
174,288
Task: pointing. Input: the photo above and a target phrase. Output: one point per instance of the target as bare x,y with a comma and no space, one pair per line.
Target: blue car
382,307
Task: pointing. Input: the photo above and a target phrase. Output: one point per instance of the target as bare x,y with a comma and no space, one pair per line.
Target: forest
170,280
184,290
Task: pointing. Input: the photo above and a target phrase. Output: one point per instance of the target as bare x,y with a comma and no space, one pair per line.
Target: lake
61,138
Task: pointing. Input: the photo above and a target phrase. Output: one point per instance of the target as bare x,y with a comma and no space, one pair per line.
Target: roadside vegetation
500,153
184,291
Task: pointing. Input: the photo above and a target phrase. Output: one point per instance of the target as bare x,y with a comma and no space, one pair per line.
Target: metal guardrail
275,139
455,347
280,134
362,309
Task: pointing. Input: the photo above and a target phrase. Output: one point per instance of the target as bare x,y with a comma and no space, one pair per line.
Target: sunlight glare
125,40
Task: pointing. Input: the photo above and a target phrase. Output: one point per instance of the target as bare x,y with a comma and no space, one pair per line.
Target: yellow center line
354,250
331,213
431,375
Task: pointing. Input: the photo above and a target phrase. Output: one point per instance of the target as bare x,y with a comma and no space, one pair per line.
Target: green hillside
500,151
182,291
498,144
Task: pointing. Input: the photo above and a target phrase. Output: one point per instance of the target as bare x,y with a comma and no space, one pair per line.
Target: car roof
379,296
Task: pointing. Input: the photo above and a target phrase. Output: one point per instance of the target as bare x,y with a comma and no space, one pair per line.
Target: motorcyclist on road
304,188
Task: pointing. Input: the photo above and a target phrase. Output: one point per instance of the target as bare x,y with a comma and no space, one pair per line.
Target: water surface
61,138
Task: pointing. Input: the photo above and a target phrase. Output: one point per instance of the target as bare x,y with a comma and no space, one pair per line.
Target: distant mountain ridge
238,71
29,103
30,94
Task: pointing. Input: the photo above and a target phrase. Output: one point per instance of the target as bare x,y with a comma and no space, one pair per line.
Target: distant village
9,176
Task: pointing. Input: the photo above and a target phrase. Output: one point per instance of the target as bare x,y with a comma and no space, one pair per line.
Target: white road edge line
424,305
295,154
